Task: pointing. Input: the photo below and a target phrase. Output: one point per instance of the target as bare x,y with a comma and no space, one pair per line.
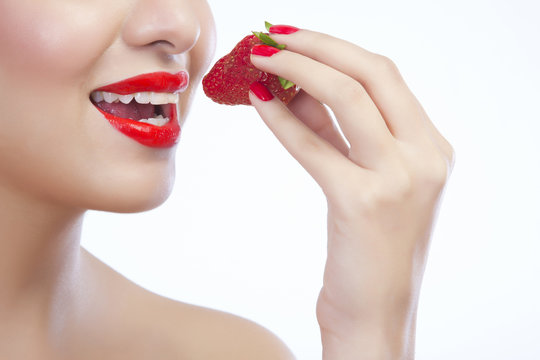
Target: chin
134,203
143,191
132,200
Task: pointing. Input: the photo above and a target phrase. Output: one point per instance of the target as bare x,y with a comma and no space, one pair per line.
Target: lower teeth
157,121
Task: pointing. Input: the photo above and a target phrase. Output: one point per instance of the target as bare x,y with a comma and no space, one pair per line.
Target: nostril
162,42
169,26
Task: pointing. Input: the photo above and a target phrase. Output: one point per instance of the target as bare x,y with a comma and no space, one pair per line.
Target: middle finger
360,120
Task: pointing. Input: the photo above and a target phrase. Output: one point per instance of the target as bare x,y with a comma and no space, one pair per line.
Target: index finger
377,74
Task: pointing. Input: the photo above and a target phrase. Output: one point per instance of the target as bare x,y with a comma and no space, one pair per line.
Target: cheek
206,46
47,53
202,54
56,40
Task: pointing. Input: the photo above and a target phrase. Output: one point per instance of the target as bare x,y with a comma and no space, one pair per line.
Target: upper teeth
140,97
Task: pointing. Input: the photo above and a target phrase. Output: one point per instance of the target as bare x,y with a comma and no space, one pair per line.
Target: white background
244,230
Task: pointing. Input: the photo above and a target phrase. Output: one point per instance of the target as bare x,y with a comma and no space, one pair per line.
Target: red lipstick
157,82
124,117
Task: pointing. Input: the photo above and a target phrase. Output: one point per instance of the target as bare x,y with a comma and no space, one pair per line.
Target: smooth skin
59,157
383,190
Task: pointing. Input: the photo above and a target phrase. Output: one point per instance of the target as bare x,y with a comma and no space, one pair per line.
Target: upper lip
164,82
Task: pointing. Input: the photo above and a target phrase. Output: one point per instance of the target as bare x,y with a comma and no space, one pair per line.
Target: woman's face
55,142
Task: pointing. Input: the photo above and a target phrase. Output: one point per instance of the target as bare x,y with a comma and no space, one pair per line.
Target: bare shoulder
153,324
202,333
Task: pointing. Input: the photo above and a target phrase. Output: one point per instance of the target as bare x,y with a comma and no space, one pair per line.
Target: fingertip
260,91
282,29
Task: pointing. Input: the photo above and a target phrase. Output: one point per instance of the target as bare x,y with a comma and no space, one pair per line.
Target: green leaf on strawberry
285,84
267,40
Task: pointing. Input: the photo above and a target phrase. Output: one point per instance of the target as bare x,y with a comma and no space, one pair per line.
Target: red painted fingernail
282,29
261,91
264,50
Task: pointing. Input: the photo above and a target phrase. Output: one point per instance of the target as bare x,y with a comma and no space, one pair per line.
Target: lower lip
149,135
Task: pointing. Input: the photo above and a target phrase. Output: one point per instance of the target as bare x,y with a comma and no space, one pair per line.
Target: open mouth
145,107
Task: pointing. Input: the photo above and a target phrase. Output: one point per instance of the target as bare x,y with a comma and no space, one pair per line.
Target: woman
64,149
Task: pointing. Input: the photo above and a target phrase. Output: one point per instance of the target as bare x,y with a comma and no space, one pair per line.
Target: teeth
97,96
173,98
110,97
158,98
126,99
141,97
157,121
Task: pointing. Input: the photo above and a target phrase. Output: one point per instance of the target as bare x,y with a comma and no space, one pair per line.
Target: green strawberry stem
267,40
285,84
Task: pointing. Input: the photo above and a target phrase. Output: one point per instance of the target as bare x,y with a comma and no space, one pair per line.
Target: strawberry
229,80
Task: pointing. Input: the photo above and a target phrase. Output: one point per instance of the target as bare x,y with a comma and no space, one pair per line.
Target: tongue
133,110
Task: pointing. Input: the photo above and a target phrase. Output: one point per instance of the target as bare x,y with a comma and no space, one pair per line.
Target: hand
382,191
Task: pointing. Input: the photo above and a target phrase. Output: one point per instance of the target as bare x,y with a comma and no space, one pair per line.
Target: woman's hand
382,191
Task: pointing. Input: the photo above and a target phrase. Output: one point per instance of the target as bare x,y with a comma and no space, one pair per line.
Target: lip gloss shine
147,134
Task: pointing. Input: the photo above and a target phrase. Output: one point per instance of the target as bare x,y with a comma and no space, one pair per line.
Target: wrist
378,333
369,341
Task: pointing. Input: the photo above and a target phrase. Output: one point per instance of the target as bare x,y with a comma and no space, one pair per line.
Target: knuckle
396,187
401,187
400,183
447,149
376,198
387,66
349,91
451,153
435,172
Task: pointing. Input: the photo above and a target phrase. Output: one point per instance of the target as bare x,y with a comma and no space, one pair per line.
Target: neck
39,257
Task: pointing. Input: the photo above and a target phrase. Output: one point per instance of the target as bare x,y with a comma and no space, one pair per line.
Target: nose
170,25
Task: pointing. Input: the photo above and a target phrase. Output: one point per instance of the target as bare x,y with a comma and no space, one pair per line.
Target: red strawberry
229,80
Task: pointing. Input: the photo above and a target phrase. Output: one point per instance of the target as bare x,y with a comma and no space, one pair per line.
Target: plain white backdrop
244,230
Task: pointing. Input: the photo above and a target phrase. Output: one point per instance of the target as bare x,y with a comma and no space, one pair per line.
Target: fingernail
261,91
282,29
264,50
